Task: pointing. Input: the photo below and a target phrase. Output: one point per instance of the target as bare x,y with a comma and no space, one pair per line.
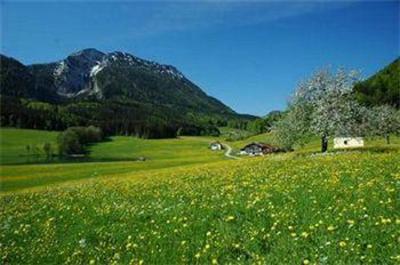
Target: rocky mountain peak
71,75
88,54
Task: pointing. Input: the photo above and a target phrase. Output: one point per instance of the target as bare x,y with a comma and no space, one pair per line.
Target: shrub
94,134
68,143
47,150
74,139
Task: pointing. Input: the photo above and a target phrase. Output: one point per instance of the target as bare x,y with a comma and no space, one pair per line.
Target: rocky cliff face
72,75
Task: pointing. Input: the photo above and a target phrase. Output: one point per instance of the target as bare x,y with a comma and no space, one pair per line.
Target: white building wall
348,142
216,147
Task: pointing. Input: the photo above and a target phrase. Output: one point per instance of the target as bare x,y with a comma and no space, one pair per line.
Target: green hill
381,88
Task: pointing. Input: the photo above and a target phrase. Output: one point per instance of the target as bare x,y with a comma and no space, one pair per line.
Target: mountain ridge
117,91
92,73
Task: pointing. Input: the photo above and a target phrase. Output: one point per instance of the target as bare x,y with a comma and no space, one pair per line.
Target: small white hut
215,146
347,142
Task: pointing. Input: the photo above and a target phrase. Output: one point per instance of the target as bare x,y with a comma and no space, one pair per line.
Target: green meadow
185,204
14,144
121,154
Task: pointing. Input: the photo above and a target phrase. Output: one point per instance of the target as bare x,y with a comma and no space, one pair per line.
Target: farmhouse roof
262,145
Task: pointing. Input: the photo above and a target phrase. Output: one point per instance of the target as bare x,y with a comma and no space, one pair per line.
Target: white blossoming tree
383,121
294,127
326,107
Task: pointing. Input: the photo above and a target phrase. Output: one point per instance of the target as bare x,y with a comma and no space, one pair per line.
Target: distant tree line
113,117
193,130
258,125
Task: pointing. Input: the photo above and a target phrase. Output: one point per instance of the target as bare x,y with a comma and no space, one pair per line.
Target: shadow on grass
81,158
368,149
41,158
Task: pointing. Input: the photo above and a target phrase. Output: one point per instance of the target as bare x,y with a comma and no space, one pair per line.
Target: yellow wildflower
304,234
230,218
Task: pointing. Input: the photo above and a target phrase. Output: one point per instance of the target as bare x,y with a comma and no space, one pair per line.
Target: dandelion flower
304,234
331,228
230,218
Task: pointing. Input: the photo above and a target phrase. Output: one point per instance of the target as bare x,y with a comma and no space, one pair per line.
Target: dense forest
113,117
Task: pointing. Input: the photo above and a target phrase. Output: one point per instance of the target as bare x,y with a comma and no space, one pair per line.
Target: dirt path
228,152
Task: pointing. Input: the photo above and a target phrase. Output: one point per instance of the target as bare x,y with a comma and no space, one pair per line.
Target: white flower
82,243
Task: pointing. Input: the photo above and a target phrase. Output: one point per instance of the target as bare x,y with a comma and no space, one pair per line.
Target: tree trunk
387,138
324,143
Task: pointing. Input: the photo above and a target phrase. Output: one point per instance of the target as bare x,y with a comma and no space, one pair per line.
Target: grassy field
186,204
13,144
117,156
127,148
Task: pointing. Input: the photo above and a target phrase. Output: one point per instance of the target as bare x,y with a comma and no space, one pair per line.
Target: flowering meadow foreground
284,209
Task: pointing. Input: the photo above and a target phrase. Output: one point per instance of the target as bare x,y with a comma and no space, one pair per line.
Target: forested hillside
381,88
118,92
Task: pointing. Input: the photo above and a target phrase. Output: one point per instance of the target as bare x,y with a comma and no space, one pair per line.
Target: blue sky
248,54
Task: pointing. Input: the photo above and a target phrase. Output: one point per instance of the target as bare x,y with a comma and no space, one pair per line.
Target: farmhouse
256,149
215,146
347,142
